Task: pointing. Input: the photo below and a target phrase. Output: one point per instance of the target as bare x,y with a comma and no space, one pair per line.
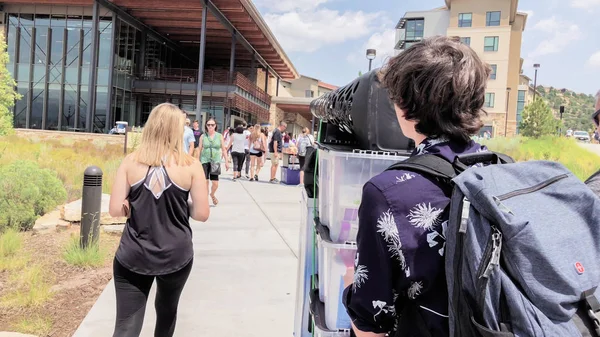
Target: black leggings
238,161
132,294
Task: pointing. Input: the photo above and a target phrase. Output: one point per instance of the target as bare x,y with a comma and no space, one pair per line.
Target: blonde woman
152,188
258,146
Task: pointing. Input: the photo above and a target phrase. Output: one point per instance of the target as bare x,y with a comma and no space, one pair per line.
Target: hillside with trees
578,107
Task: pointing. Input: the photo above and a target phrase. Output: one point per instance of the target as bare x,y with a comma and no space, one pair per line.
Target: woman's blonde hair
256,133
162,138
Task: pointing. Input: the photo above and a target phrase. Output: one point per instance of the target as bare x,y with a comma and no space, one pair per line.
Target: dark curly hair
440,83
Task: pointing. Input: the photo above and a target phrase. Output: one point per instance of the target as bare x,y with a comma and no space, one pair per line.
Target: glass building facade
50,51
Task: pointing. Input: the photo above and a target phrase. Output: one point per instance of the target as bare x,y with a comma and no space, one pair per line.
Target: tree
538,120
359,73
8,95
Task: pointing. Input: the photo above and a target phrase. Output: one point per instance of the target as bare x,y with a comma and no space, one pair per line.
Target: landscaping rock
113,229
72,212
47,223
14,334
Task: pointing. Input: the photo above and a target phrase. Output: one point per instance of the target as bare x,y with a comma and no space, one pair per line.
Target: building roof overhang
180,21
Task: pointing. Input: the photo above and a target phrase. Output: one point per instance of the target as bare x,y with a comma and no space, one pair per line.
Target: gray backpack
522,247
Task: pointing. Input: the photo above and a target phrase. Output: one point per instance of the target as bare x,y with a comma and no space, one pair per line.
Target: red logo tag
579,268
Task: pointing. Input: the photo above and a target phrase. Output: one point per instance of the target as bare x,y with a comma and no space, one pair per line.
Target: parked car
582,136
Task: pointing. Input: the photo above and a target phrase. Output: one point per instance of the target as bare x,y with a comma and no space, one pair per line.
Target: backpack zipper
489,262
533,188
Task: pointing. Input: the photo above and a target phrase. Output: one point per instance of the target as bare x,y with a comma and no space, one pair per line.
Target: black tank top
157,239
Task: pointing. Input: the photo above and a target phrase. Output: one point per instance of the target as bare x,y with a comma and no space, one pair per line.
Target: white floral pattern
436,239
387,228
415,290
424,216
361,275
405,177
383,307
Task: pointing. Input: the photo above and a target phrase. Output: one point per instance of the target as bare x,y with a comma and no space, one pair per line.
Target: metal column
77,121
91,107
277,88
46,79
63,65
30,92
266,80
231,72
201,63
109,105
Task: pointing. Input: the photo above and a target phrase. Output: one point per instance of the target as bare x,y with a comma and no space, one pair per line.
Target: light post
371,54
536,66
506,116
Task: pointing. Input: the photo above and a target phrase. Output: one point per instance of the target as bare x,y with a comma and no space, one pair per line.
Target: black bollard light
91,203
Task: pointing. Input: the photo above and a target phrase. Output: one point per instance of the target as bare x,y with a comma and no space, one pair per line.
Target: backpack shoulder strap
427,164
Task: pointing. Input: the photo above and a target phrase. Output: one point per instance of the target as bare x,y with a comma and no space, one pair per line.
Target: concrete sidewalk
243,282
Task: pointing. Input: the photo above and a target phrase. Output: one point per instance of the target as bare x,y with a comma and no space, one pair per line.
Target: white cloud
289,5
585,4
559,35
309,30
594,60
383,42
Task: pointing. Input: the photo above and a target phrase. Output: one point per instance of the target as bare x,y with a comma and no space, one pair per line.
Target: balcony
218,88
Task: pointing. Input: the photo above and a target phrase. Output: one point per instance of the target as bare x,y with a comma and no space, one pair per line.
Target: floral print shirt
401,241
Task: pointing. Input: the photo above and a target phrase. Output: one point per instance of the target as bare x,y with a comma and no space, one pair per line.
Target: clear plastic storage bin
317,310
326,333
342,175
336,258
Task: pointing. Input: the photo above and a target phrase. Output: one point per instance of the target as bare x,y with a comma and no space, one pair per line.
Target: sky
327,39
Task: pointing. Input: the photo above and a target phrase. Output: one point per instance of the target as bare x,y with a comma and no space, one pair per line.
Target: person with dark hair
275,148
593,182
238,151
212,148
398,282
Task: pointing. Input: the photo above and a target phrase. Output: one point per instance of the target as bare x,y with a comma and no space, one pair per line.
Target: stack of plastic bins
342,175
306,267
317,309
337,259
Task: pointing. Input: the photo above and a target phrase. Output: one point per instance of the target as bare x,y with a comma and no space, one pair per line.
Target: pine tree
8,94
538,120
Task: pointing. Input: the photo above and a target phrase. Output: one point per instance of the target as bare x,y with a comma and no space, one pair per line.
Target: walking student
212,149
152,188
258,147
275,147
238,151
197,134
304,141
438,89
247,132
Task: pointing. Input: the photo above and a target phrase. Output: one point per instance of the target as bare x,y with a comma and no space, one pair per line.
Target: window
491,43
309,93
466,40
520,107
492,19
490,97
465,19
415,29
494,69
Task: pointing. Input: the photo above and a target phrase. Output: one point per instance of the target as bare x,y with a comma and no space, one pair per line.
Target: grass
36,325
67,157
93,256
10,244
29,288
578,160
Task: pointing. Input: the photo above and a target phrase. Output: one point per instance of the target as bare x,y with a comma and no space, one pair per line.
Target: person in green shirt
212,148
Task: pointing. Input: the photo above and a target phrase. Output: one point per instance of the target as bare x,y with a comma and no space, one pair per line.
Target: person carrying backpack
594,181
304,141
461,241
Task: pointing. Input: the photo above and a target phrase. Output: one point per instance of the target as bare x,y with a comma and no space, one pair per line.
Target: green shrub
27,192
